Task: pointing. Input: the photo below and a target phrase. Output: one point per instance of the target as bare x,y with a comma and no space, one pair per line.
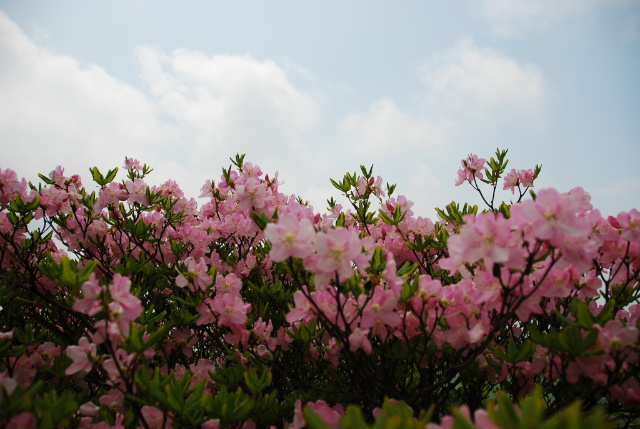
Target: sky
315,89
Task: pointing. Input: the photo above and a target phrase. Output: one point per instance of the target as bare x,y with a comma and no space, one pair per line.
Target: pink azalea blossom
231,309
380,309
251,194
196,276
24,420
472,167
90,304
359,340
137,192
336,249
290,237
80,356
10,185
155,418
615,336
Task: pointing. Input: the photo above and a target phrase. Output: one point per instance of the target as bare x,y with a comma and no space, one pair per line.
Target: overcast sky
314,89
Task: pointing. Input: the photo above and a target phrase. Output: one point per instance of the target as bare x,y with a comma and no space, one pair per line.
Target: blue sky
314,89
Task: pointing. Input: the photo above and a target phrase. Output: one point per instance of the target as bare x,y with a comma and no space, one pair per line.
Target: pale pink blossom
290,237
231,309
24,420
359,340
80,356
471,167
196,276
137,191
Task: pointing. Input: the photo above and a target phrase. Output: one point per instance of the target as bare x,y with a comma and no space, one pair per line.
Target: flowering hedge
134,307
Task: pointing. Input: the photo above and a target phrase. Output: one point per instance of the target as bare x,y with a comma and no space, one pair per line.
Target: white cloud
509,17
513,17
482,81
56,111
385,129
465,87
621,195
227,102
197,113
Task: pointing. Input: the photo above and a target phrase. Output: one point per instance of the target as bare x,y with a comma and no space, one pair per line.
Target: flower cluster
136,307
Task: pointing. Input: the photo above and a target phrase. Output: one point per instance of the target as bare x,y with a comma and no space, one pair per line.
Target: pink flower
485,237
629,224
90,304
290,237
125,306
251,194
10,186
526,177
552,216
582,197
228,284
132,164
231,309
303,310
154,417
211,424
80,356
615,336
23,420
137,191
511,180
471,168
331,416
196,275
379,309
112,400
336,248
359,340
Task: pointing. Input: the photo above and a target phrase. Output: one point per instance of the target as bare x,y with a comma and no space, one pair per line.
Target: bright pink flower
629,224
290,237
615,336
331,416
206,313
154,417
132,164
583,198
112,194
10,185
90,304
231,309
379,309
196,276
552,216
526,178
511,180
228,284
137,192
303,310
485,237
251,194
80,356
125,307
336,248
359,340
472,167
